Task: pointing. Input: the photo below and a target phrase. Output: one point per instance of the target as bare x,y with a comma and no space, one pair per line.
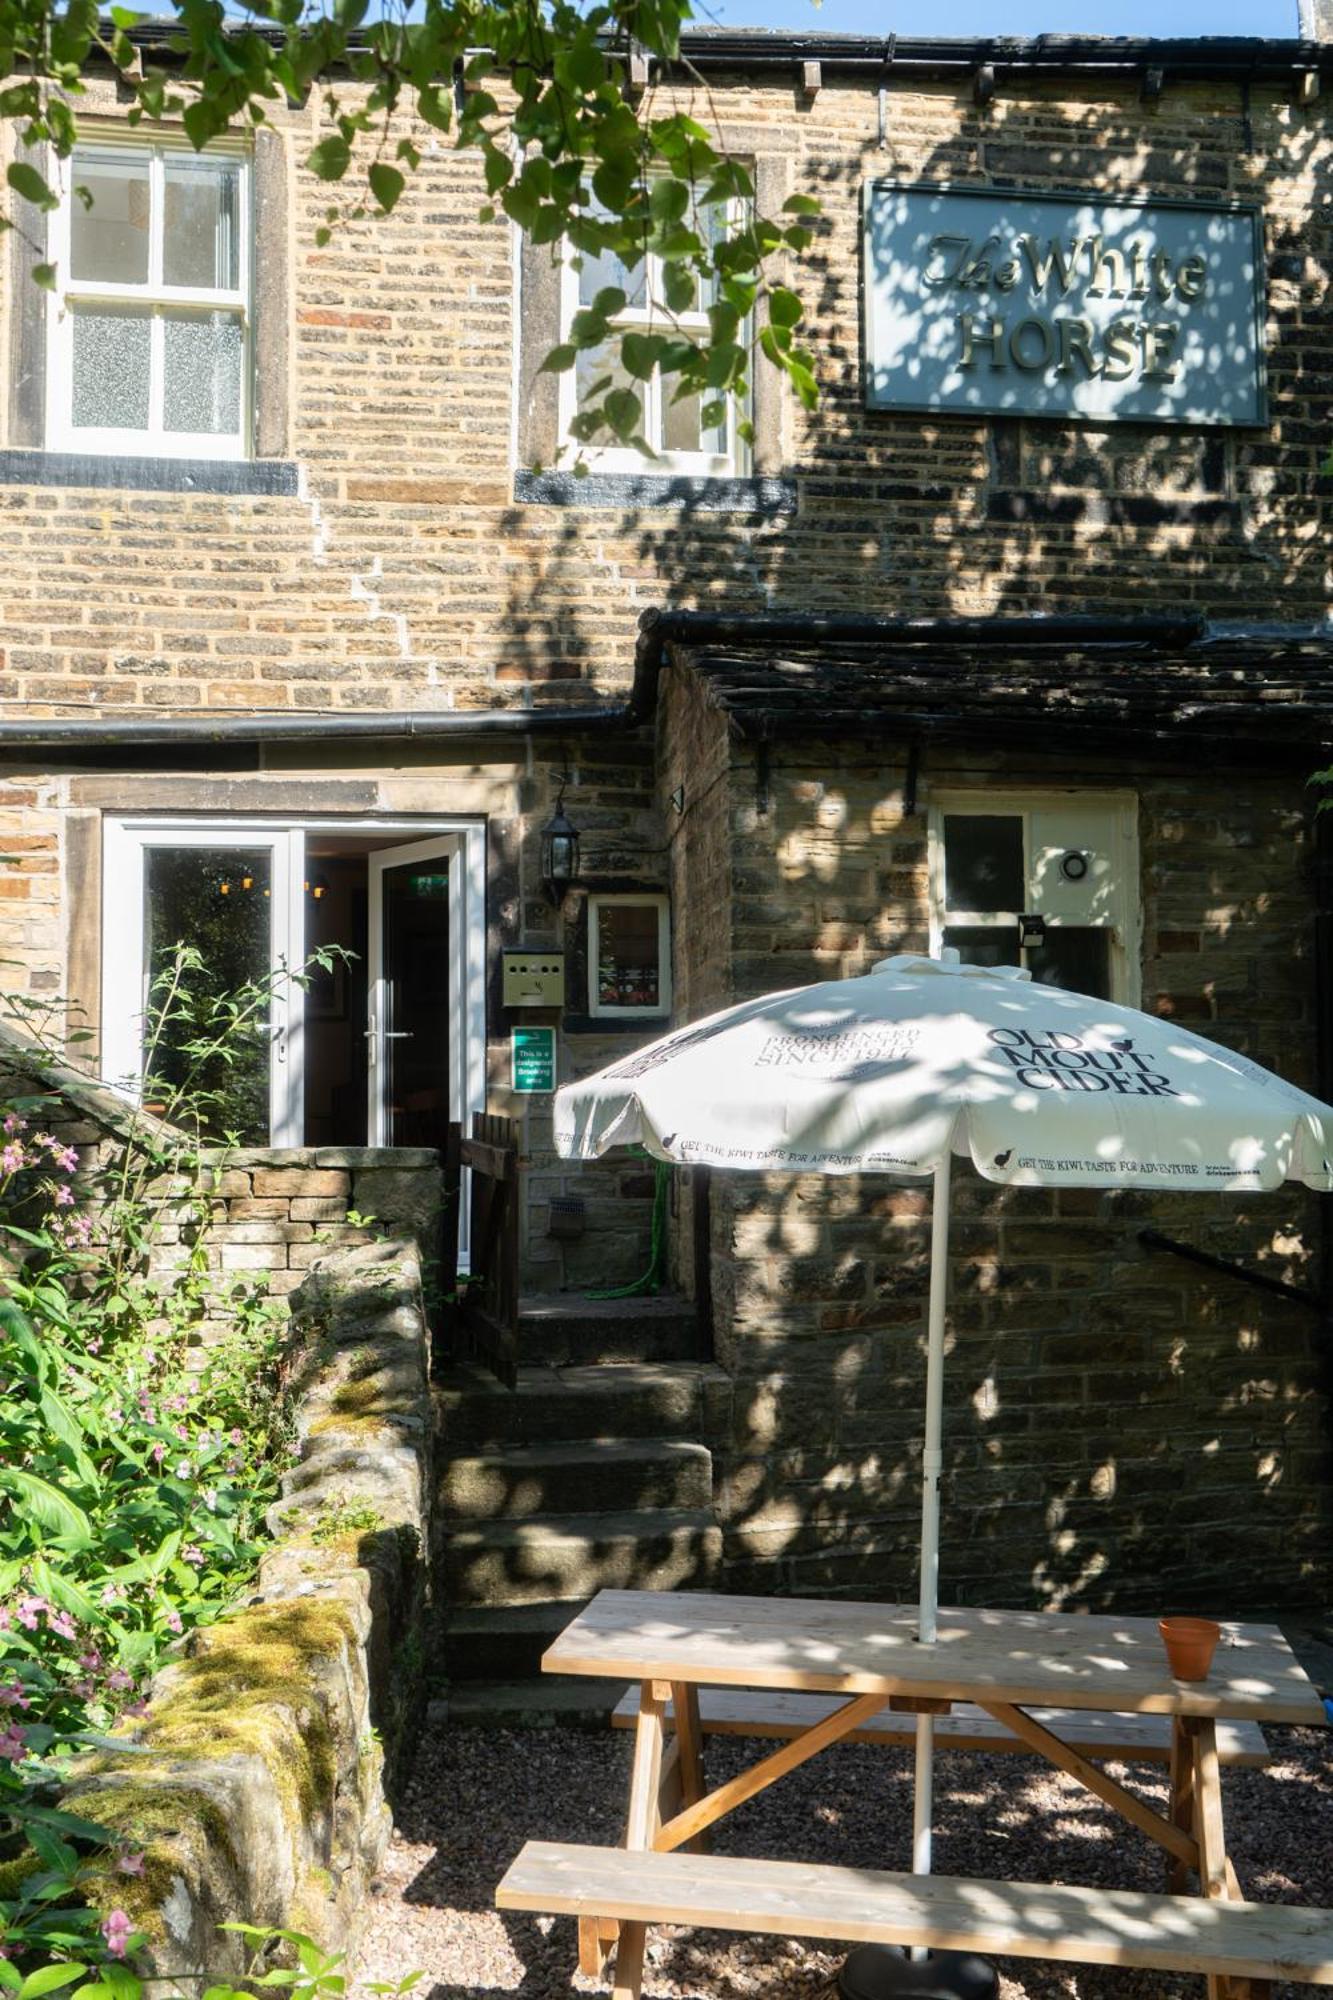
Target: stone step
502,1642
652,1399
576,1555
564,1328
546,1701
515,1482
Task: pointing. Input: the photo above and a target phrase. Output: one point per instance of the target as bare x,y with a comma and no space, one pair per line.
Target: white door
417,1030
230,897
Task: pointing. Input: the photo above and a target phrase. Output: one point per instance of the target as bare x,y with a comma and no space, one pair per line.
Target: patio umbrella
922,1059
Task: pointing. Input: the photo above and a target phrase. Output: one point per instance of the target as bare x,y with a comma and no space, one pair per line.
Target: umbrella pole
931,1462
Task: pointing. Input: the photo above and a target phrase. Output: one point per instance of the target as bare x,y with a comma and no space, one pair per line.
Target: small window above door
1048,881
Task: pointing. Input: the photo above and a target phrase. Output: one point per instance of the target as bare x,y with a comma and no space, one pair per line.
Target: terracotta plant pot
1190,1644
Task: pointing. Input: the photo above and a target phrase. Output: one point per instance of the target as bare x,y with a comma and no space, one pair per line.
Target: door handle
392,1034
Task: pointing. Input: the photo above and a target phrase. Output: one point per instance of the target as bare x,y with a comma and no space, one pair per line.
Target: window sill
275,476
632,490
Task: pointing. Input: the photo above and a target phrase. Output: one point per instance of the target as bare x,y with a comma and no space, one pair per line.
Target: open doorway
382,1048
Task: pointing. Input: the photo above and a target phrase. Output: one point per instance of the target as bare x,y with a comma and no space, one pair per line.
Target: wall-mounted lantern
559,853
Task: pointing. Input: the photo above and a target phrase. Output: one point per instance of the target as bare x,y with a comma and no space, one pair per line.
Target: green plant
339,1516
135,1466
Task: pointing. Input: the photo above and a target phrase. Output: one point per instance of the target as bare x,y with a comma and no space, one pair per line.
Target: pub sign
1007,302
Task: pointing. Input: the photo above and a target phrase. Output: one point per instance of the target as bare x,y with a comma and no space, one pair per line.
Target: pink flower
193,1554
6,1618
85,1689
236,1437
182,1433
30,1610
67,1157
178,1403
116,1929
139,1707
159,1452
173,1621
64,1196
92,1660
95,1344
11,1159
12,1746
12,1695
111,1594
13,1123
62,1624
119,1680
129,1864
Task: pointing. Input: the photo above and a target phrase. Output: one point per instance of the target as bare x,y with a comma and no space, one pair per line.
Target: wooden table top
1116,1664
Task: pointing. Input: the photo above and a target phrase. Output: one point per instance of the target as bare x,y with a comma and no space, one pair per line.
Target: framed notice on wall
1006,302
532,1054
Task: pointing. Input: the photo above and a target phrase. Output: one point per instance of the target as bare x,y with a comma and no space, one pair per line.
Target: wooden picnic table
1004,1662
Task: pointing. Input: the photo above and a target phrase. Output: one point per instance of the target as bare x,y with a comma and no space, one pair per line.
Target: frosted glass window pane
111,363
202,376
200,241
109,241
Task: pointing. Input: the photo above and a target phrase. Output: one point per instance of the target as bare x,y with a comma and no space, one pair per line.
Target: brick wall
405,575
1121,1427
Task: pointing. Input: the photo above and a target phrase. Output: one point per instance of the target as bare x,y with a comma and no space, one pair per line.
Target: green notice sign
533,1051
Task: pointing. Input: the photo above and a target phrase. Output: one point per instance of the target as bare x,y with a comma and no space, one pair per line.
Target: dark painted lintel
263,477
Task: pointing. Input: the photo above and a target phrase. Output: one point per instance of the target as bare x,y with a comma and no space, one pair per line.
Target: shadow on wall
1120,1429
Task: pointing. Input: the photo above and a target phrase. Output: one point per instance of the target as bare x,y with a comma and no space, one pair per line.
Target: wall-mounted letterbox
533,978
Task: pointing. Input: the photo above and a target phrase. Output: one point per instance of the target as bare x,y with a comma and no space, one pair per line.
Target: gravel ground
477,1795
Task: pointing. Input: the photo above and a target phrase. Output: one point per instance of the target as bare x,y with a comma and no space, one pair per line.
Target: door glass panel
416,1002
983,862
984,944
1073,957
336,1000
215,902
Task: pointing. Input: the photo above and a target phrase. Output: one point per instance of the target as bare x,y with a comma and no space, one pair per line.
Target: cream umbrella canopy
921,1060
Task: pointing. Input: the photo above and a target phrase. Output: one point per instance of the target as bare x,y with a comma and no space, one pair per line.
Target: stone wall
1122,1427
257,1216
407,570
255,1783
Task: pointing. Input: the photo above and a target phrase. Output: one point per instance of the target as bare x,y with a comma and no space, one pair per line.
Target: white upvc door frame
126,845
124,842
467,995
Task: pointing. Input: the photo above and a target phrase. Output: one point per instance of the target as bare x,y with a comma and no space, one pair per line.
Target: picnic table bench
1141,1739
1022,1672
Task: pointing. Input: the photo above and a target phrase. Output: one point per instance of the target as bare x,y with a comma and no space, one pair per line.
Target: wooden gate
488,1320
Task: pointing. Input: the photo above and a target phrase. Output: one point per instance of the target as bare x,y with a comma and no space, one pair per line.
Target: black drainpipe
657,630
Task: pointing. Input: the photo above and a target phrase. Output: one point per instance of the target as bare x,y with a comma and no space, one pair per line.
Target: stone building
310,630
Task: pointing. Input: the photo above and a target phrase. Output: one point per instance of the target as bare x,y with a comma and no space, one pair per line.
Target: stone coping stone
352,1159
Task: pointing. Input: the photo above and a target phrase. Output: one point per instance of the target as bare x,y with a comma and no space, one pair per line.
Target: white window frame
732,463
62,434
603,1010
1123,919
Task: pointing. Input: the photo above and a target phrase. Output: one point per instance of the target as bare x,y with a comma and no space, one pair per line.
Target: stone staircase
595,1473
